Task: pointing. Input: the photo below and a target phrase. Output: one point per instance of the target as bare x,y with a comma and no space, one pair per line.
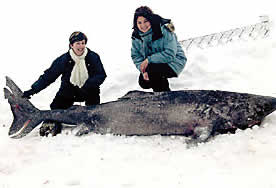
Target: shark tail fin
26,115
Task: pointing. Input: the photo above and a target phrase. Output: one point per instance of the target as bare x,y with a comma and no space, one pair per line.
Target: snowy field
34,33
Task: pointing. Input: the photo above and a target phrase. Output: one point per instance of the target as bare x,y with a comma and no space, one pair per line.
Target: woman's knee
144,83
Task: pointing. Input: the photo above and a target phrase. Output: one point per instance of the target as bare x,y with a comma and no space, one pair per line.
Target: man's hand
27,94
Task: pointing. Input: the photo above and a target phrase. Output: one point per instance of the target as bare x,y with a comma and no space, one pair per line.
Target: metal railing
255,31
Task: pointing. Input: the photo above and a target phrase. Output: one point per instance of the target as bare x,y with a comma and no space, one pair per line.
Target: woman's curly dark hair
144,11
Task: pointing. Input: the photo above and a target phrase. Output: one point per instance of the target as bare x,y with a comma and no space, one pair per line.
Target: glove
27,94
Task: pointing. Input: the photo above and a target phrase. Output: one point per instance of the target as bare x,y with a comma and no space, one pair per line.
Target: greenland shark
197,114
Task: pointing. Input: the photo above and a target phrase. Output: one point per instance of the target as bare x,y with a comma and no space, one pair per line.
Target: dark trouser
62,102
158,77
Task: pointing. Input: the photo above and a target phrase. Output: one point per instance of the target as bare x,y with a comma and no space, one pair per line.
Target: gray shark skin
198,114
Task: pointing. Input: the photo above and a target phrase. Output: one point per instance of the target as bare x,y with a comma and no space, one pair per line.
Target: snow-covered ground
34,33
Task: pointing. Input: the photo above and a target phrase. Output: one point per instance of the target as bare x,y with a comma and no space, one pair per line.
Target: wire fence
255,31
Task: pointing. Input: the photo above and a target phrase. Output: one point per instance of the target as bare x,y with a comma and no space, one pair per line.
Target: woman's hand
144,65
146,76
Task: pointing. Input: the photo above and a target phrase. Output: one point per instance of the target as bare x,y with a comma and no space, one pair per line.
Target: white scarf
79,73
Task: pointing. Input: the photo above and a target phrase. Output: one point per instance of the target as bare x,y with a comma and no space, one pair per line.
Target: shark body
198,114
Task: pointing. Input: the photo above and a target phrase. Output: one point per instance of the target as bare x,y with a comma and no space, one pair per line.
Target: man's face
78,47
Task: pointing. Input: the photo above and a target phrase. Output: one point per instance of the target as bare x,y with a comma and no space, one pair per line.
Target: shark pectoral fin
202,133
82,130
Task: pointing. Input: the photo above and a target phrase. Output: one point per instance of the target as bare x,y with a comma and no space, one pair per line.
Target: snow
34,33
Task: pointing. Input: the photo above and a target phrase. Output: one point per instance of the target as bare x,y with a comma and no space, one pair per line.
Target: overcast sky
33,33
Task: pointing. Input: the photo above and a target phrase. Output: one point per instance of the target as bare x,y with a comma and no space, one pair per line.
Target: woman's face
143,24
78,47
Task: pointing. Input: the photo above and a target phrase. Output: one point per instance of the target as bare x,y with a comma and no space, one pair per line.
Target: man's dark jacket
63,66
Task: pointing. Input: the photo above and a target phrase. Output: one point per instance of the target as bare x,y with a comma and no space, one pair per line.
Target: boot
56,129
47,128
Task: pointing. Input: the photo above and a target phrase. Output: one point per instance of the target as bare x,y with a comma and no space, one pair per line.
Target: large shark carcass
198,114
